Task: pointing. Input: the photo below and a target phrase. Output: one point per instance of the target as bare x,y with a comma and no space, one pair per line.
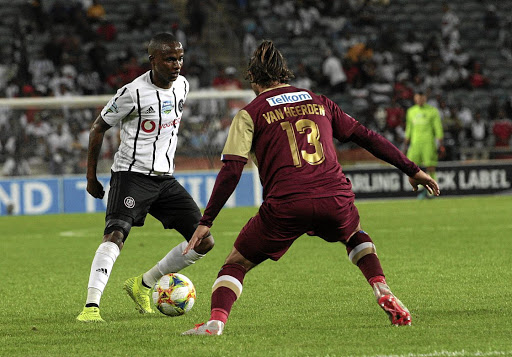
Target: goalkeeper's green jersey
423,125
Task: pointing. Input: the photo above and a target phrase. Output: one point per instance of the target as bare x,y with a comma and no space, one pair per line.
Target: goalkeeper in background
424,136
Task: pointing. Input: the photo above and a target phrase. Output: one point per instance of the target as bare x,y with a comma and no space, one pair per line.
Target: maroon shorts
272,231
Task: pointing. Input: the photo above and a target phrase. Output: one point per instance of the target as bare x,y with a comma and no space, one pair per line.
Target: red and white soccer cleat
397,312
212,327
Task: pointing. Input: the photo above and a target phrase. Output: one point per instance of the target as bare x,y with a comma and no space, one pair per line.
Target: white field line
462,353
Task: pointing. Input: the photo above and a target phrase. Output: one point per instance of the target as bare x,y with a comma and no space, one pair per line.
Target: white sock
101,267
173,262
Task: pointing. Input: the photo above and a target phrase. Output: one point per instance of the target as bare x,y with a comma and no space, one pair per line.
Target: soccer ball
174,294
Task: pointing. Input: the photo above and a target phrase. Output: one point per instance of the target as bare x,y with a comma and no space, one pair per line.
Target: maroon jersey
291,134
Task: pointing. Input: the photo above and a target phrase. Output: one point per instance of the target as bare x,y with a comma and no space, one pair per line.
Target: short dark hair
160,39
267,65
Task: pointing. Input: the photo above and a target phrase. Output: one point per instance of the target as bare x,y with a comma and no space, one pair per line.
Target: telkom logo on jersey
286,98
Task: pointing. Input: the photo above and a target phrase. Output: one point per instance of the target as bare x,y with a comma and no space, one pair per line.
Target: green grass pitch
448,259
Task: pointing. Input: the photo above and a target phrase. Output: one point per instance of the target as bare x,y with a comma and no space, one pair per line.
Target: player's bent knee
235,257
359,245
118,225
115,237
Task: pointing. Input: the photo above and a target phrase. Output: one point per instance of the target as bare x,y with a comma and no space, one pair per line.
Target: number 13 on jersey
313,138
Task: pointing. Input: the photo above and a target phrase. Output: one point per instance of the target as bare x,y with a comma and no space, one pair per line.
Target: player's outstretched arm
200,233
422,178
98,129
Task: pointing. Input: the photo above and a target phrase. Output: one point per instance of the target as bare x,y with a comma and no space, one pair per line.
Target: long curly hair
267,66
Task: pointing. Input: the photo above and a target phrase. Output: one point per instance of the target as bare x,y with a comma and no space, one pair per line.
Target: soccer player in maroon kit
288,132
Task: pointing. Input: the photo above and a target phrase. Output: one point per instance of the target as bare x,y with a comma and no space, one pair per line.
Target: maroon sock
361,252
226,290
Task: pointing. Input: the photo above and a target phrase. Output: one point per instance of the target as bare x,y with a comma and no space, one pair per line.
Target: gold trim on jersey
241,132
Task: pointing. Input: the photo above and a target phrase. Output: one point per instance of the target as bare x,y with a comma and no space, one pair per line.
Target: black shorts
133,195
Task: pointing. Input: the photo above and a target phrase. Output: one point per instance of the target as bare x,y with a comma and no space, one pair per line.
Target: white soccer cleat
398,314
212,327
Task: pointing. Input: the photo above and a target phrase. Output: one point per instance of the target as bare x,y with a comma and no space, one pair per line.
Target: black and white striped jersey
149,118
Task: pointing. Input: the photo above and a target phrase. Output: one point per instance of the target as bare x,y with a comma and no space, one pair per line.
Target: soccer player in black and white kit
148,111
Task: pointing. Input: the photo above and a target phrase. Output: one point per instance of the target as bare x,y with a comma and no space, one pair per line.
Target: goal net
49,135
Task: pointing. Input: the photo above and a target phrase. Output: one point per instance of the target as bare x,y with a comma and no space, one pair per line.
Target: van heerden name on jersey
286,112
286,98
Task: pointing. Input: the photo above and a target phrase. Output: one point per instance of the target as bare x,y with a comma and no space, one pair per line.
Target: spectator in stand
60,12
95,12
139,19
59,144
37,130
453,131
333,71
294,24
359,52
449,49
249,43
16,163
433,79
196,15
97,55
226,79
460,57
403,92
507,106
493,108
309,15
412,46
491,22
386,70
454,76
444,109
302,78
466,118
369,71
41,68
220,136
477,79
432,49
502,130
195,71
347,41
180,34
351,70
505,38
449,22
395,115
88,80
479,132
360,95
106,30
131,69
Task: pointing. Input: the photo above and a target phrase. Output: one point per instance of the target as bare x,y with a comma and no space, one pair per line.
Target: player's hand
95,188
422,178
442,152
201,233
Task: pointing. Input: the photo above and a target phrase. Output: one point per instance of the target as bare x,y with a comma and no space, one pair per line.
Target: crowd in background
66,49
378,74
